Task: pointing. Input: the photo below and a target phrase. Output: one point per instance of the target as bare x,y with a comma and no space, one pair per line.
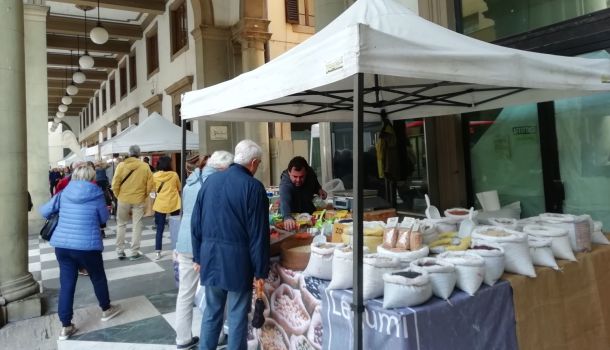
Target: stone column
253,33
18,290
35,42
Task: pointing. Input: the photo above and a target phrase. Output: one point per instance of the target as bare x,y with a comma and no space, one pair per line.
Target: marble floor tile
197,315
34,267
33,252
153,330
128,271
47,257
164,302
96,345
48,274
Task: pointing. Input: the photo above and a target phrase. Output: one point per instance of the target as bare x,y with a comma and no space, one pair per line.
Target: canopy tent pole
357,233
183,154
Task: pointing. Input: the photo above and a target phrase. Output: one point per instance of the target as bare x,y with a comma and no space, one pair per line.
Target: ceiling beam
147,6
64,42
57,59
76,26
87,85
59,92
60,73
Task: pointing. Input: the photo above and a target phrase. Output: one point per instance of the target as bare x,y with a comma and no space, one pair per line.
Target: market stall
377,60
154,134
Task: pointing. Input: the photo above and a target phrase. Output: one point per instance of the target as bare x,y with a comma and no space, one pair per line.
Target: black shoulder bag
49,226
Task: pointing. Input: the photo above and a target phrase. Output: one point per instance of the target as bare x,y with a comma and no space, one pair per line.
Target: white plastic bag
406,288
598,237
441,273
332,186
469,268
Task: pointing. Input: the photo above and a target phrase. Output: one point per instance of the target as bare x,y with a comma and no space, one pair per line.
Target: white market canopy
154,134
412,68
108,147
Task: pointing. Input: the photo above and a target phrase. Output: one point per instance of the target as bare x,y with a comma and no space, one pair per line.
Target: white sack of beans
493,254
598,236
469,268
374,267
579,229
342,268
441,273
516,250
541,252
321,260
560,242
406,288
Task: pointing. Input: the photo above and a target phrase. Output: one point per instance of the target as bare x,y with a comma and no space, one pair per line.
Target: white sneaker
111,312
158,255
67,332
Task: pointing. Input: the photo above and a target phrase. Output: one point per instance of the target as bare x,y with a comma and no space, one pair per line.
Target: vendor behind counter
298,185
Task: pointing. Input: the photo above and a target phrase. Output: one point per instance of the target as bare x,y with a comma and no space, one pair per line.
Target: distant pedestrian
77,243
189,278
147,161
230,229
131,184
167,198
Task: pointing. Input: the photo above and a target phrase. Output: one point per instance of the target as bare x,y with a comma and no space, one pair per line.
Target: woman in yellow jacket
167,200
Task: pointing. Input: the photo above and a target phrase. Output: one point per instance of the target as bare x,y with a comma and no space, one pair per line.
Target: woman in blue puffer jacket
78,243
188,272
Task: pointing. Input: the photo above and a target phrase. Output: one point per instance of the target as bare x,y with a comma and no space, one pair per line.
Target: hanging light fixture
85,61
78,77
99,34
60,115
67,100
71,89
63,108
57,120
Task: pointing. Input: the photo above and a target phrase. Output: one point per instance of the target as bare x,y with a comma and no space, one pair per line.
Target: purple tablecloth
484,321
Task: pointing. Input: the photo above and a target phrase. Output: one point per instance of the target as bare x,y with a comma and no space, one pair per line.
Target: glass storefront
505,156
489,20
583,137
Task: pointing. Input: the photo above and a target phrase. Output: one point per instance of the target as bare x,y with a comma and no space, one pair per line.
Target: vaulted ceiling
125,21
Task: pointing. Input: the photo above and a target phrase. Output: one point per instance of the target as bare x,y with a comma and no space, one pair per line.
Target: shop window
152,52
123,80
112,91
133,76
178,119
495,19
178,28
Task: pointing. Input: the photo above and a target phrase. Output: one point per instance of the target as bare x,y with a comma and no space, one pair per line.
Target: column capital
35,11
254,32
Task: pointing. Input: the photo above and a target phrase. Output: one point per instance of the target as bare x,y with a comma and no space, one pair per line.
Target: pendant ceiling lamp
85,61
63,108
78,77
99,34
67,100
60,115
71,89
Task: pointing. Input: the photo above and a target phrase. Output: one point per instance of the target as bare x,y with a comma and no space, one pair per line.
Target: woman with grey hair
219,161
78,243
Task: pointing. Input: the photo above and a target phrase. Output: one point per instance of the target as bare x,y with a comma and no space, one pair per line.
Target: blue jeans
70,260
160,223
238,306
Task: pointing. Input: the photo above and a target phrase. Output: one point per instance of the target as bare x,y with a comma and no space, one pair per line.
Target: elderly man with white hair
131,184
189,277
230,229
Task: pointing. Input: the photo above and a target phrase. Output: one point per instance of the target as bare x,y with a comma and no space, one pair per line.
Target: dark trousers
69,262
160,223
238,305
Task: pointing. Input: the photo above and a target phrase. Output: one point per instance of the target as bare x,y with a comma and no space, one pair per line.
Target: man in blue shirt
230,234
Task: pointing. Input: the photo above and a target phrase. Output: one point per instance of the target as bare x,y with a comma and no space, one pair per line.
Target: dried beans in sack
469,268
441,273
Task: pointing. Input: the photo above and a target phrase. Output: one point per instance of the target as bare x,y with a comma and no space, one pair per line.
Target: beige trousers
137,212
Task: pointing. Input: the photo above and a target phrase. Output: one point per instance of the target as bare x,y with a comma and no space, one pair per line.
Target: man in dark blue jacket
230,233
298,185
